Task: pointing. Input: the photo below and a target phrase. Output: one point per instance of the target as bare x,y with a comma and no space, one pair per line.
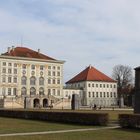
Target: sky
103,33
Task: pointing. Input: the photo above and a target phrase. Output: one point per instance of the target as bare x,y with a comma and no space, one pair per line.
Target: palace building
95,88
29,78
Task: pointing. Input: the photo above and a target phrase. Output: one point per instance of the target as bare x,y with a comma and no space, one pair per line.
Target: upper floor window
15,71
9,79
4,79
41,91
9,64
53,81
23,91
96,85
58,81
92,85
88,85
53,91
9,71
15,64
53,67
49,81
32,80
41,81
32,91
23,80
89,94
100,85
9,91
49,67
93,94
24,66
58,68
15,79
33,67
110,86
114,86
4,70
53,73
14,91
49,73
41,67
4,63
58,73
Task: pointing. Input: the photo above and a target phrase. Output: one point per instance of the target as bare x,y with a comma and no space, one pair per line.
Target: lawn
116,134
9,125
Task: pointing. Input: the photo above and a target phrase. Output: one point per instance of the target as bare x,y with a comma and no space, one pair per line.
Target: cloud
102,33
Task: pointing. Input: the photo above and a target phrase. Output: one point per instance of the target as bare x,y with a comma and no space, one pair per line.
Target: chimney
38,50
8,49
90,66
13,47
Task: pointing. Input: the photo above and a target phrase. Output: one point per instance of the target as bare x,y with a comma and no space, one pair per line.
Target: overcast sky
102,33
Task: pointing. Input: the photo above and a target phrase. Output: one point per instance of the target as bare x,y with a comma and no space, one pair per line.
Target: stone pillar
137,91
75,102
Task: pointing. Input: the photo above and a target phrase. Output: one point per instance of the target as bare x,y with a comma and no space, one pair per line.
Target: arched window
23,91
23,80
32,91
32,80
41,81
41,91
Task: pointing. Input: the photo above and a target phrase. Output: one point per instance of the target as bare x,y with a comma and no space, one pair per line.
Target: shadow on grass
134,130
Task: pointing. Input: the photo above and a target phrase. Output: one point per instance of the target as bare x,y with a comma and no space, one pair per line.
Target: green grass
9,125
116,134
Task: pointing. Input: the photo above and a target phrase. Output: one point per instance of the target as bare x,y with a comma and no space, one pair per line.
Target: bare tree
123,75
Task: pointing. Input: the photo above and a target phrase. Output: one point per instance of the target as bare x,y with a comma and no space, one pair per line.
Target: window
41,81
53,73
104,94
58,68
3,79
58,92
33,67
41,67
100,85
49,73
15,79
58,81
9,64
58,73
23,80
9,71
4,91
53,91
32,91
107,94
9,91
92,85
49,91
14,91
104,85
32,80
115,94
100,94
41,91
114,86
49,67
53,67
49,81
107,85
110,86
92,94
23,91
88,85
89,94
15,71
9,79
15,64
111,94
96,94
4,63
24,66
4,70
96,85
53,81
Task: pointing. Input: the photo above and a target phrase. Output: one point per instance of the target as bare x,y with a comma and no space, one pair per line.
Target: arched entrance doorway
36,103
45,102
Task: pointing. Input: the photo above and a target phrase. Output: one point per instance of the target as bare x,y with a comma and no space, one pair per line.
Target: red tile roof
90,74
26,52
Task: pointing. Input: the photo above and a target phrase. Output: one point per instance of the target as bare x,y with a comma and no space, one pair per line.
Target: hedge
83,118
129,120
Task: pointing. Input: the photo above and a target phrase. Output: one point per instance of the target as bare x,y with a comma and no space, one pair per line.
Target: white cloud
102,33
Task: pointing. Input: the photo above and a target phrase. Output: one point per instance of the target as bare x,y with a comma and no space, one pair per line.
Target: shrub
65,117
129,120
